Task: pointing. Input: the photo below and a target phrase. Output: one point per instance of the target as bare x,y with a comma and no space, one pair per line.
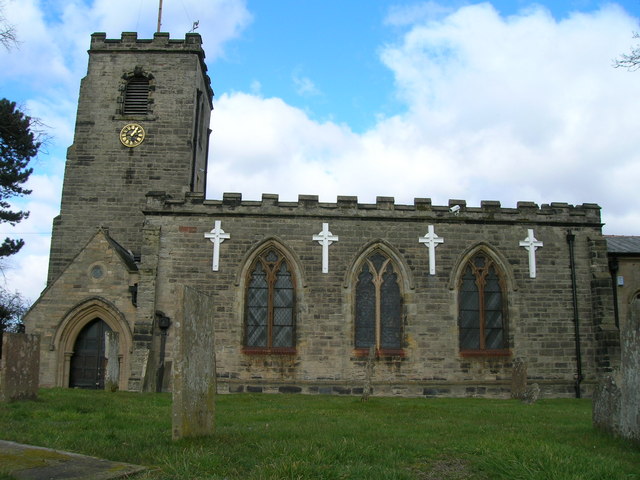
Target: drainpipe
576,320
613,269
163,323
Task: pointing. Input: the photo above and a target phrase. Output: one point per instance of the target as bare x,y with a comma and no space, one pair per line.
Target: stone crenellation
129,40
308,205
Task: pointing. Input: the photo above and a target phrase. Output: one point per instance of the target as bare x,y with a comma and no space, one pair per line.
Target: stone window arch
270,309
482,306
137,89
72,325
378,304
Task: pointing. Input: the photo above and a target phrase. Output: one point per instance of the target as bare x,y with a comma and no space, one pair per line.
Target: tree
8,37
630,61
12,308
18,145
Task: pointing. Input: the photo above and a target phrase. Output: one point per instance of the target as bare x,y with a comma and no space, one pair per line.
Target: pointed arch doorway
88,362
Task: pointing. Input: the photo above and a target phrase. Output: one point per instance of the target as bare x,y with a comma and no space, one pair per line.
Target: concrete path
25,462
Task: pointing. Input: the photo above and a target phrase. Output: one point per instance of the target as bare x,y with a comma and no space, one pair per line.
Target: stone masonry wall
541,328
105,182
77,296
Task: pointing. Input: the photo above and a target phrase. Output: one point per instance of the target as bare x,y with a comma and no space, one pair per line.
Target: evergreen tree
18,145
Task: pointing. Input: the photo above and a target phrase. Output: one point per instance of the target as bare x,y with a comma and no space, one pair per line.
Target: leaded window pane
271,257
270,299
282,337
481,307
256,335
282,316
365,309
378,305
390,310
494,338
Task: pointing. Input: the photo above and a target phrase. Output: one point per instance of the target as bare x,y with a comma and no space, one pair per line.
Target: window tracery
270,304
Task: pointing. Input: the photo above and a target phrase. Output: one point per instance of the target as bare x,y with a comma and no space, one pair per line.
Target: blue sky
502,100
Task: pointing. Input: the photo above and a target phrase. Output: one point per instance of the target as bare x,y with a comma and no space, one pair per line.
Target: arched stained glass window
482,311
270,303
378,311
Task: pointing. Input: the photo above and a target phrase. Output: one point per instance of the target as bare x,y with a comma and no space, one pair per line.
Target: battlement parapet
160,41
385,207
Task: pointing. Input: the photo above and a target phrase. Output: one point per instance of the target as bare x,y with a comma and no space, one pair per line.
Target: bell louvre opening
136,98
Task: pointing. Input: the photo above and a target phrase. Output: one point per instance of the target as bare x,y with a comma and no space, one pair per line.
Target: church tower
142,126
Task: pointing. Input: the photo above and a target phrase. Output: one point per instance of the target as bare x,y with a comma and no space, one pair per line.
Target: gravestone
112,369
518,378
368,374
531,394
616,401
19,367
194,373
630,373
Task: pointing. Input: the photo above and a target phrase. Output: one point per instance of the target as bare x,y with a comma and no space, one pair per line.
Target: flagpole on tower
159,15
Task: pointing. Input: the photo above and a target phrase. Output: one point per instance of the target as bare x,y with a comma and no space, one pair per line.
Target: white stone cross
531,244
325,238
217,236
431,240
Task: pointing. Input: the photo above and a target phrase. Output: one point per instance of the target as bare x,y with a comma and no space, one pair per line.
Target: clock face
132,135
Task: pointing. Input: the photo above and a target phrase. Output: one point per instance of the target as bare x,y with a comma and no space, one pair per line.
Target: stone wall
19,366
98,284
105,182
540,324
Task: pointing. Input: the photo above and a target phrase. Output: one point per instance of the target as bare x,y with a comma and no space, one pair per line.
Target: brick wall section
541,328
105,182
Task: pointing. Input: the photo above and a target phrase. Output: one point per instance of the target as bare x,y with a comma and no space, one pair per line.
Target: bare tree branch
630,61
8,38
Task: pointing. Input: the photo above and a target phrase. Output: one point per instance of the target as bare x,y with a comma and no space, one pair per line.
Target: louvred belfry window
136,97
270,304
378,312
482,312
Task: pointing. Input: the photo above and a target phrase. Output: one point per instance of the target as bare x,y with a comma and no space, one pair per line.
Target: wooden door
88,361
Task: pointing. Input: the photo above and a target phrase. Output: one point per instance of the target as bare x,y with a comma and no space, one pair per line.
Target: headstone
630,375
606,404
531,394
518,378
368,374
194,373
616,400
112,369
19,367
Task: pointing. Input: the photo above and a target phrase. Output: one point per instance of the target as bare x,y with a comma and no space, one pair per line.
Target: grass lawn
318,437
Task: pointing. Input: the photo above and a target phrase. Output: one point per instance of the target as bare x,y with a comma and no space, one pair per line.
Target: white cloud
519,108
304,86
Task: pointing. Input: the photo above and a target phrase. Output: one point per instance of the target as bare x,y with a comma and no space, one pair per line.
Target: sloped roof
125,255
622,244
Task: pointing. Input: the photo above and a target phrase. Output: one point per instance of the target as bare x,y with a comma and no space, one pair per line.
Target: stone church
443,299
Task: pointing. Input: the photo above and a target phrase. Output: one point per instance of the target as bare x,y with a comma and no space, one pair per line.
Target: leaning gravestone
194,373
19,367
